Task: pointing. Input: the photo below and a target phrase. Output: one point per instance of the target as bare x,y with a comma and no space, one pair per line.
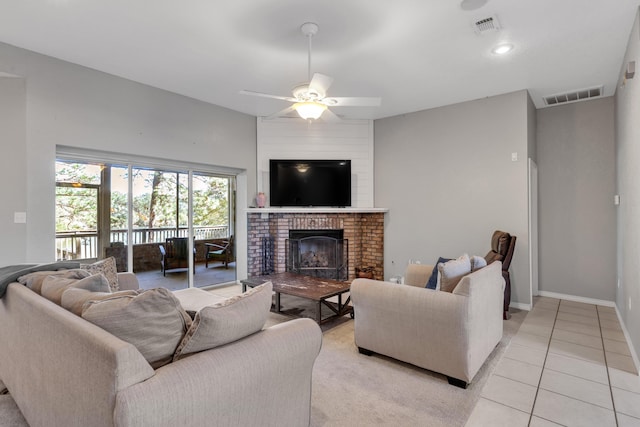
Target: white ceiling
415,54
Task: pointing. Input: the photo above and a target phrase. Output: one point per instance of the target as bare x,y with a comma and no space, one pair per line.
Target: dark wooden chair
220,252
502,246
175,254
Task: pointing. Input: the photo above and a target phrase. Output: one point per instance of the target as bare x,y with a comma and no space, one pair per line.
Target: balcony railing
73,245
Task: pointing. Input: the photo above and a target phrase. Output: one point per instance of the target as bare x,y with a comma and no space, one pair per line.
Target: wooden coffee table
312,288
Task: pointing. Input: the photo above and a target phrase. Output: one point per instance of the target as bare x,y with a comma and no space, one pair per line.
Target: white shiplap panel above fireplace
299,139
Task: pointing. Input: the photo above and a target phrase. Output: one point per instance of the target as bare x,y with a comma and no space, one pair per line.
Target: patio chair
175,254
220,252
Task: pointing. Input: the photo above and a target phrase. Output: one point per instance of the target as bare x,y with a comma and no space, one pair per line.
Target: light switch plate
19,217
514,157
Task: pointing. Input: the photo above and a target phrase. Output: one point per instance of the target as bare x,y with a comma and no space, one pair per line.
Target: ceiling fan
310,99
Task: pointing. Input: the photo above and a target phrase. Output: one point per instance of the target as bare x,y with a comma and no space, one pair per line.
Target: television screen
322,183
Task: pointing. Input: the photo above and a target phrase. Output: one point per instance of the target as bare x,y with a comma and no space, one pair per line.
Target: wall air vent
573,96
486,25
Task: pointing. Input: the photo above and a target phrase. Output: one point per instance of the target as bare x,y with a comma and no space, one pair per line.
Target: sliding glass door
172,227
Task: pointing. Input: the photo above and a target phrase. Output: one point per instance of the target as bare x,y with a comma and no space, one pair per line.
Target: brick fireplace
363,229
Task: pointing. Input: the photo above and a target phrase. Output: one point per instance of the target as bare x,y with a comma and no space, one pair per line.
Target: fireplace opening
318,253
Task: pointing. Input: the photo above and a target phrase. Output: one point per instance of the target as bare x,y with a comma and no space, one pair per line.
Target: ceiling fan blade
266,95
280,113
352,101
320,83
330,116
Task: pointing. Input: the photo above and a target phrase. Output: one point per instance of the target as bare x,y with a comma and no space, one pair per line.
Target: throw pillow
73,299
107,267
452,271
477,262
227,321
34,280
153,321
54,286
433,279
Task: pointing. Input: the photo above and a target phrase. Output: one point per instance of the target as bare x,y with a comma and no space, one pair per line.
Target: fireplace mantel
316,210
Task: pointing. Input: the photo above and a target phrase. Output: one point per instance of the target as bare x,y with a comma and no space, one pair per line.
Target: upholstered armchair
502,246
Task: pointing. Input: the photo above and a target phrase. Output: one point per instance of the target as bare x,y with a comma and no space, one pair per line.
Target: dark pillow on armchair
433,280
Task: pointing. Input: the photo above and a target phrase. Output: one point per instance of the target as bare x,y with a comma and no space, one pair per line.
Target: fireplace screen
318,256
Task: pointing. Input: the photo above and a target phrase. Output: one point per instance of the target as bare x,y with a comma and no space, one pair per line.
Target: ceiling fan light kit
310,99
309,110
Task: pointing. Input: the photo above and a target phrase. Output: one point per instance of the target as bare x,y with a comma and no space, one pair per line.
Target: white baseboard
605,303
520,306
634,355
593,301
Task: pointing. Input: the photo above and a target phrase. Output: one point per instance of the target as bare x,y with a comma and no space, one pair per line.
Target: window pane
119,212
211,207
154,205
76,223
78,173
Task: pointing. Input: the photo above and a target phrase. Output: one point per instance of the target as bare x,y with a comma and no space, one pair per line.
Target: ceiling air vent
486,25
573,96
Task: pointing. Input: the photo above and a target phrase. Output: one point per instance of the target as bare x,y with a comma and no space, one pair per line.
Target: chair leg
507,294
456,382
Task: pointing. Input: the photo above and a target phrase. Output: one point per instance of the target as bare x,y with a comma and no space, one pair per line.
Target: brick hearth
364,230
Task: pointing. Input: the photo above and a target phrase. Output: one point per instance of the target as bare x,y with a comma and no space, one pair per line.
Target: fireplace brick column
363,230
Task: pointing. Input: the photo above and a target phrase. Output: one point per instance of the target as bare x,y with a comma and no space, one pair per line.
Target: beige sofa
64,371
450,333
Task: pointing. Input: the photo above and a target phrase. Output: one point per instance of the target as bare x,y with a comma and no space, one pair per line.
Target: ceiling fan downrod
309,29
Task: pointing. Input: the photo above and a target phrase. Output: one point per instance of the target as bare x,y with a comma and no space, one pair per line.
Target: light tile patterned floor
568,365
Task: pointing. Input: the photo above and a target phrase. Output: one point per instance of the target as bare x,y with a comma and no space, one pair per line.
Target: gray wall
628,165
75,106
576,165
13,164
447,177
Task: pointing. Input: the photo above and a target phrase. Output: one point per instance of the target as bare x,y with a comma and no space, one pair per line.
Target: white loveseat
450,333
63,371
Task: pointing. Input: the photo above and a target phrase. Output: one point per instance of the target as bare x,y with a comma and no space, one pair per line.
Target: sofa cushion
452,271
107,267
227,321
194,299
34,280
73,299
153,321
477,262
54,286
433,279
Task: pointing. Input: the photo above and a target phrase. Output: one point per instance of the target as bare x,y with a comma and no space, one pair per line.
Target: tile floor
568,365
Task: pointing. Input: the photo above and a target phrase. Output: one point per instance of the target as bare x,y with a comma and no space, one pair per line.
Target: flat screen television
321,183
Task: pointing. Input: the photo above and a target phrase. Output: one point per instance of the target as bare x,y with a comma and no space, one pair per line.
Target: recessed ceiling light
472,4
502,49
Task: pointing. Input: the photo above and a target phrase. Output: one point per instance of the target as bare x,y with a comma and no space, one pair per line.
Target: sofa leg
456,382
365,351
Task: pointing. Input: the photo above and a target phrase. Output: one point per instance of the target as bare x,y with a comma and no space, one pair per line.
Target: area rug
350,389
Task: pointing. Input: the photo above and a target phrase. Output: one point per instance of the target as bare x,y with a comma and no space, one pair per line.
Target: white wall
13,163
75,106
628,186
299,139
447,177
577,224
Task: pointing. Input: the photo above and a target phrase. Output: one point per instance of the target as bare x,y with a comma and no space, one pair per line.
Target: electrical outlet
514,157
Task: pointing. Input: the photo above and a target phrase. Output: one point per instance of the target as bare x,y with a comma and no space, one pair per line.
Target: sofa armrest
51,349
128,281
263,379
